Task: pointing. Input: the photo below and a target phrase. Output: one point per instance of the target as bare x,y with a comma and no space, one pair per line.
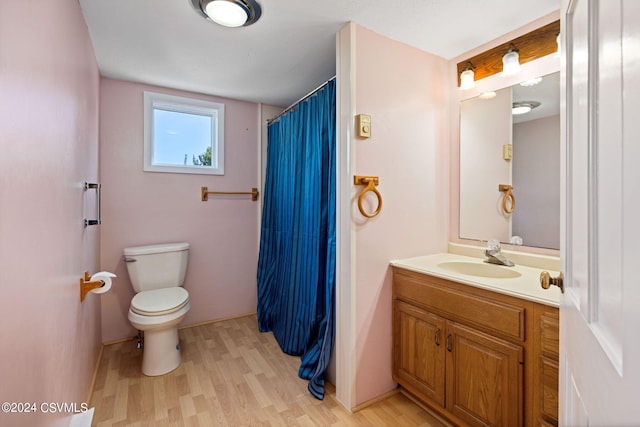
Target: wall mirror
497,148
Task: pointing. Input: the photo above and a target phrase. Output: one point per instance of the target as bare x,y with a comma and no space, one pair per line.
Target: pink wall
141,208
49,86
405,91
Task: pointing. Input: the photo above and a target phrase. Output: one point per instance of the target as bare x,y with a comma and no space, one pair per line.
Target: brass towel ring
508,200
370,182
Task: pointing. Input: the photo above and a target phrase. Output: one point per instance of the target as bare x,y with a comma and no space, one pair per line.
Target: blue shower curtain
296,265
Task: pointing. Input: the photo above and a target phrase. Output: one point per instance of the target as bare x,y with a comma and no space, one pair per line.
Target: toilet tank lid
156,249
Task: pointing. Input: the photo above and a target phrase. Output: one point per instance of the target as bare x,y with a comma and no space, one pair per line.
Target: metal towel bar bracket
204,193
370,182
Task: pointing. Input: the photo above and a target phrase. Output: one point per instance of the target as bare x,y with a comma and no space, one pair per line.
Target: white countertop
527,286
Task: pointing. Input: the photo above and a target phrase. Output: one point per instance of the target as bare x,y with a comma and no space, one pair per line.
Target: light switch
364,125
507,151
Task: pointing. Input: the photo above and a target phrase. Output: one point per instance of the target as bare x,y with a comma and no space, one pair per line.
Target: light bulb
523,109
511,62
467,80
227,13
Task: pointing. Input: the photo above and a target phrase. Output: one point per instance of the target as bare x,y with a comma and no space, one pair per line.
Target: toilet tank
157,266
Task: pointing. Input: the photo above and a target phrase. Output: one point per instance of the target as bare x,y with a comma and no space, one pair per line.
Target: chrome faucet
494,256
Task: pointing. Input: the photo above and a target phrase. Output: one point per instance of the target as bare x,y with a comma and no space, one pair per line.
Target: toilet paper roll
105,277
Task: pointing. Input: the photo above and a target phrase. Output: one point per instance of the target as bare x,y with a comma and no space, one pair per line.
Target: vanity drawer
472,308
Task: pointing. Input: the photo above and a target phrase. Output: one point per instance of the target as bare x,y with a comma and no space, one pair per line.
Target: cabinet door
545,388
484,378
418,360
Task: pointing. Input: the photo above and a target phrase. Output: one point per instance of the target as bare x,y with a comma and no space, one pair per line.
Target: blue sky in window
179,137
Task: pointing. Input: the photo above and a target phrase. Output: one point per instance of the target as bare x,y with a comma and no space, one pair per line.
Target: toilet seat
159,302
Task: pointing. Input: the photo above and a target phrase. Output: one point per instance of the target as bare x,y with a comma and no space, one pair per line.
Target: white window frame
215,110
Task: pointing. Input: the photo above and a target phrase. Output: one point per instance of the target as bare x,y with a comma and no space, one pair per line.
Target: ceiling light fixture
467,77
511,61
229,13
523,107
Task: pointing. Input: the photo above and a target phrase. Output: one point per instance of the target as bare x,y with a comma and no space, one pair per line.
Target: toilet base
161,353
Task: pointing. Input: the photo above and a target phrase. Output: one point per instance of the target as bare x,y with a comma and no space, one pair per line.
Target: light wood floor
231,375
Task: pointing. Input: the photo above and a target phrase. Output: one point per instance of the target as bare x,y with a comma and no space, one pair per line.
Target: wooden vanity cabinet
547,343
468,353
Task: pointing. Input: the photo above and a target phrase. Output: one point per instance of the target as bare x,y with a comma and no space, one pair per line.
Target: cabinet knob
437,337
546,281
449,342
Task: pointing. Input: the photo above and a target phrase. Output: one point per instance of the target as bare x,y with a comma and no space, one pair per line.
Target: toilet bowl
157,273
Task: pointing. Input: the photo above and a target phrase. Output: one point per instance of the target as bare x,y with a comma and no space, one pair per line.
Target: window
183,135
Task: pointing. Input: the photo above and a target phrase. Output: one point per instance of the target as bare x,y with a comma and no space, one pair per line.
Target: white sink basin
480,269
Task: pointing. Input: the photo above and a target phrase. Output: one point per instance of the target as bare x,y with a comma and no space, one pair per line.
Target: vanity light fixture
530,46
467,77
511,61
523,107
229,13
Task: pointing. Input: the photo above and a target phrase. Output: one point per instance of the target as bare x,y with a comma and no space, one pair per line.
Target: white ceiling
290,50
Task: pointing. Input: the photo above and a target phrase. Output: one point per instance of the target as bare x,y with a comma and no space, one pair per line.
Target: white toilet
160,304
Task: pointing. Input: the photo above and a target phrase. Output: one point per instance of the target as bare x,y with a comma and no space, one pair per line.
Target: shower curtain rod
295,104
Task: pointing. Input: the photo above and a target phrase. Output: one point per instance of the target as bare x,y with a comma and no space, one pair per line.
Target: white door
600,311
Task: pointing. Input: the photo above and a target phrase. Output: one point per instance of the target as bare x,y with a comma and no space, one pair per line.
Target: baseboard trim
92,384
208,322
375,400
118,341
424,407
